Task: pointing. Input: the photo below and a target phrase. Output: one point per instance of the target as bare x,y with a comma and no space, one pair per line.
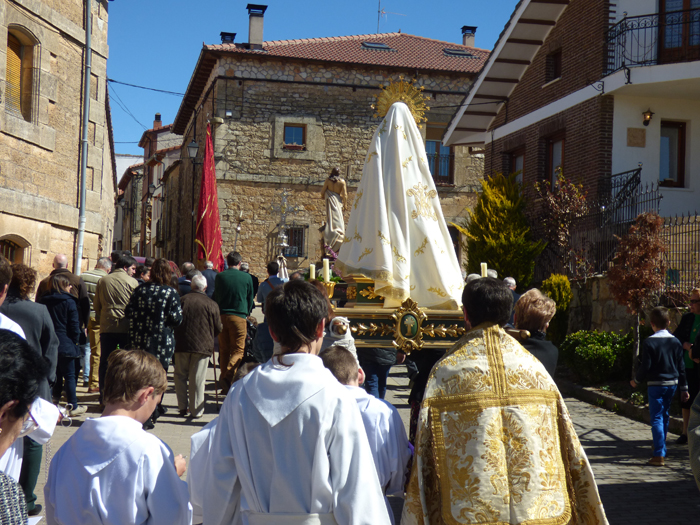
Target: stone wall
254,99
40,154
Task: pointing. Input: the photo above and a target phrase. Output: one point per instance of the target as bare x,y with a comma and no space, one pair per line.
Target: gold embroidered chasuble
495,443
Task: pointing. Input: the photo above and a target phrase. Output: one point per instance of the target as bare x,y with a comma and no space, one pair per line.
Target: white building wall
635,8
628,114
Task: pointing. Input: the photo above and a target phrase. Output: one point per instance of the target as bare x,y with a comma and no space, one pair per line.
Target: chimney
255,27
157,124
468,34
227,38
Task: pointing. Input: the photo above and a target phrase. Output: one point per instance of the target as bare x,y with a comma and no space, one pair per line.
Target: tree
562,206
639,268
498,233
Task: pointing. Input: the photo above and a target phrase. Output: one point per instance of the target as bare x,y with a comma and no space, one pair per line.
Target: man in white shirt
385,429
111,470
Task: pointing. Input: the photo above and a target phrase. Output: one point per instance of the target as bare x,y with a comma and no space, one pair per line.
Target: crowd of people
304,435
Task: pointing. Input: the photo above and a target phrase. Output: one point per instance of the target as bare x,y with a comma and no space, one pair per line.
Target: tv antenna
381,12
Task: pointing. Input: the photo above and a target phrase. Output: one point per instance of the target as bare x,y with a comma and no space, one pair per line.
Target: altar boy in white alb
290,447
113,472
385,429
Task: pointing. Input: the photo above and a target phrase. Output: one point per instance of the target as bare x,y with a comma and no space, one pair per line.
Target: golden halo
405,92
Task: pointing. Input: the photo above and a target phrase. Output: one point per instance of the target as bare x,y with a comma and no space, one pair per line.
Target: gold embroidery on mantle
358,237
400,128
421,249
438,291
399,257
383,238
405,162
357,199
370,155
383,128
365,253
424,208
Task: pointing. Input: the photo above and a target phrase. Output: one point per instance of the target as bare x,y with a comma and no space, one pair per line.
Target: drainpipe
84,139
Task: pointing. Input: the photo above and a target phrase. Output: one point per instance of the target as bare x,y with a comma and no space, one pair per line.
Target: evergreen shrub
558,287
498,232
598,357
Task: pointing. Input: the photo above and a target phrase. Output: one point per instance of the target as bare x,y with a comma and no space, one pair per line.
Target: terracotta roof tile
409,51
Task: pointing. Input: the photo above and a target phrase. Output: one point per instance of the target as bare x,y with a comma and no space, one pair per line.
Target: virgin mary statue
397,234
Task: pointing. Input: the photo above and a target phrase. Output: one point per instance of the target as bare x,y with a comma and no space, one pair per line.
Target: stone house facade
42,53
130,209
283,114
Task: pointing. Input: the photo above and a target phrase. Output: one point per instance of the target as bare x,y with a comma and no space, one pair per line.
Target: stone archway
15,249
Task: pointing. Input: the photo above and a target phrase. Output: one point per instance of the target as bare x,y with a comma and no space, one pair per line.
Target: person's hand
687,346
400,357
633,383
180,465
685,396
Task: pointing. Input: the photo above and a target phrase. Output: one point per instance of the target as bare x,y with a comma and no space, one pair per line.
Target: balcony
659,38
442,167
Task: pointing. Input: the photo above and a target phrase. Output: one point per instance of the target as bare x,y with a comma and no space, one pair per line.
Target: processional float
404,283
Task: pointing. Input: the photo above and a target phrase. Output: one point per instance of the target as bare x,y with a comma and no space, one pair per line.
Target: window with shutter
13,91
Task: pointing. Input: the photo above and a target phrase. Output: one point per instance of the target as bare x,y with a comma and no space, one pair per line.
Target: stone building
284,113
129,216
42,57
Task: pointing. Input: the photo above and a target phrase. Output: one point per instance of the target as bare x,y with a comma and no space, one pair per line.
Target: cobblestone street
618,448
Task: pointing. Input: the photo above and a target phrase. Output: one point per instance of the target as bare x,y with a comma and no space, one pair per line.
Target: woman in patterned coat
153,312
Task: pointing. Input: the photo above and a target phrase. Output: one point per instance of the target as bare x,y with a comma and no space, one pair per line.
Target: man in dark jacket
194,344
234,295
78,290
209,274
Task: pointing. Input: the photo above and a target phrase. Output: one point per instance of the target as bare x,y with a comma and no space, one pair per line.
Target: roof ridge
444,42
328,39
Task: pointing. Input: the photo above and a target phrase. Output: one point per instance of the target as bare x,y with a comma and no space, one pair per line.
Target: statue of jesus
335,192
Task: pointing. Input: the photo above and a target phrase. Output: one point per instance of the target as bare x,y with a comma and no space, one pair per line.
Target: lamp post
238,229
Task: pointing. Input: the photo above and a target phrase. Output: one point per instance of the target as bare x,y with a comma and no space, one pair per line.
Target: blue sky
155,43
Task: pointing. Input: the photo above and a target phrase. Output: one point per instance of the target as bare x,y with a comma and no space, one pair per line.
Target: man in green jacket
233,292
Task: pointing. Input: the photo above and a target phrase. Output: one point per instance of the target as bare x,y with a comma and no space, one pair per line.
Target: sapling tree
639,268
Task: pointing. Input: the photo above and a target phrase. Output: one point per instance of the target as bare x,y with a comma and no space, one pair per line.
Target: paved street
632,492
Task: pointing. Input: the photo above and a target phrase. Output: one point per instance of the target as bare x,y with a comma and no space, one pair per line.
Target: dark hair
5,272
21,371
273,267
161,273
233,259
149,261
294,312
244,370
115,255
341,363
23,279
125,261
335,174
659,317
321,288
192,273
140,270
295,276
186,267
487,300
60,283
129,371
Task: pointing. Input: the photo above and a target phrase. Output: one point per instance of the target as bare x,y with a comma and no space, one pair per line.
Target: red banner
208,222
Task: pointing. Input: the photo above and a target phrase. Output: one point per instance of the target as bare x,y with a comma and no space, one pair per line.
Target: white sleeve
221,486
200,446
167,498
46,416
398,454
358,496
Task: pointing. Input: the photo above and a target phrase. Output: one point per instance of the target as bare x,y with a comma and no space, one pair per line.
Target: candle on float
326,270
484,268
240,214
312,272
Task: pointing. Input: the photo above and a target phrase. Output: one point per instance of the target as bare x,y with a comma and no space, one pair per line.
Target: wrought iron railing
682,235
442,167
659,38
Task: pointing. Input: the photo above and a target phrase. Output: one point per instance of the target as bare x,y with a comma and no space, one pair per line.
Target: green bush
598,356
498,232
558,287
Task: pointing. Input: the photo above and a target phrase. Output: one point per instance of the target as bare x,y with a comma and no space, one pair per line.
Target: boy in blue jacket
661,365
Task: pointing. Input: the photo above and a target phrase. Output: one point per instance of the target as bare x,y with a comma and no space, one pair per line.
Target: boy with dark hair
383,425
289,445
661,365
111,470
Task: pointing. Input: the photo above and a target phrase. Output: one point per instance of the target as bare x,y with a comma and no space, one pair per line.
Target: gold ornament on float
402,91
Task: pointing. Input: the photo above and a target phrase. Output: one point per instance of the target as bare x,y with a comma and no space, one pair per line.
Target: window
517,163
679,30
294,136
19,83
440,161
456,244
555,158
462,53
672,155
376,46
11,251
553,66
296,237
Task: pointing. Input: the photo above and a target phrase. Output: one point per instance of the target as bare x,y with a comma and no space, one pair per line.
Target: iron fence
682,235
658,38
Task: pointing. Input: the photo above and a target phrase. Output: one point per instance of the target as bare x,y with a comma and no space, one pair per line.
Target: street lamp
151,189
192,150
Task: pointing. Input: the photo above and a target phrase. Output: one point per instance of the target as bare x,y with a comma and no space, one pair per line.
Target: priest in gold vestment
495,443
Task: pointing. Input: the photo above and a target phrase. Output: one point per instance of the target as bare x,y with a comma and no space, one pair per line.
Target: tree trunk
635,354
